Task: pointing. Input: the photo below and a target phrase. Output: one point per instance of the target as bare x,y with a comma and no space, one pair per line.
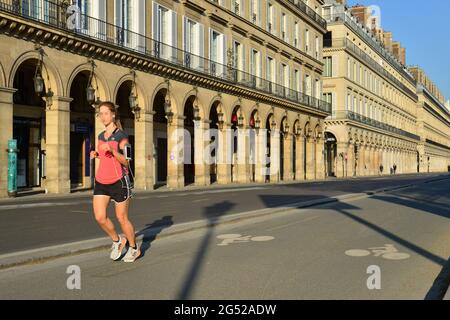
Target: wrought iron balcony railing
379,48
55,15
350,115
345,43
310,12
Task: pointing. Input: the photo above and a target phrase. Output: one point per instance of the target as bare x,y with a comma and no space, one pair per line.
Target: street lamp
90,91
196,106
132,99
240,120
168,104
49,98
38,80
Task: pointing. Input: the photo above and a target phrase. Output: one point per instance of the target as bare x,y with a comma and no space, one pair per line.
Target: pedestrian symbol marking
228,239
388,252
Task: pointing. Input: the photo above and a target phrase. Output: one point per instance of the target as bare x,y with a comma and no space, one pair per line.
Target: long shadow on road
151,231
213,214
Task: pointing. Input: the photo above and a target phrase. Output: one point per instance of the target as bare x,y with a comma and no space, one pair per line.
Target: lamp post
196,106
132,99
168,105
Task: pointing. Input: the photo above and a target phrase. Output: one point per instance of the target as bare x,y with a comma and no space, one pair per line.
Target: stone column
320,160
288,158
350,163
175,153
243,155
261,157
361,163
275,156
58,146
144,161
299,158
6,133
201,143
342,164
224,155
310,159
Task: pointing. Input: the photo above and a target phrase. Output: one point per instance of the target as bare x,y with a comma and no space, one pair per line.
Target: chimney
402,56
388,40
362,14
344,2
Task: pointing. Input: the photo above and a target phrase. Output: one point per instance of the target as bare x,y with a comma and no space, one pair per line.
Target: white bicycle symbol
388,252
238,238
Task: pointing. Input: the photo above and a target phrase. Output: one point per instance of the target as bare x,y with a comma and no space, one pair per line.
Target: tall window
307,42
328,97
271,72
283,27
297,34
36,9
328,68
284,81
236,6
255,11
270,18
317,48
255,67
318,89
164,31
308,85
193,43
217,52
297,80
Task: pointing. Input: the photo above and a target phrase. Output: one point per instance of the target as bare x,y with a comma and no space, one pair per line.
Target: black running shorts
119,191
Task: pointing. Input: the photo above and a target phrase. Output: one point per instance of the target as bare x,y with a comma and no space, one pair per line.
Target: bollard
12,167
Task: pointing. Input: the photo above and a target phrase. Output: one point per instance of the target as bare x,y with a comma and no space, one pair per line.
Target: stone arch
250,111
163,86
53,75
2,76
200,102
217,99
143,101
100,81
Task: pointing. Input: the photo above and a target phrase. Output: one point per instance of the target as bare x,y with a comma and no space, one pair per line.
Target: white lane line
43,204
201,193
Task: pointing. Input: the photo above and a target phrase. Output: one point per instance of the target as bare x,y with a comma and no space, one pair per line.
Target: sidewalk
58,231
35,198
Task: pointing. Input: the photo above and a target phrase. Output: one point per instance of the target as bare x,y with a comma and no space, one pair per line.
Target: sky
422,28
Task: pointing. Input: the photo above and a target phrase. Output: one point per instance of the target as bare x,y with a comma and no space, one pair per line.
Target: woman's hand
106,147
94,154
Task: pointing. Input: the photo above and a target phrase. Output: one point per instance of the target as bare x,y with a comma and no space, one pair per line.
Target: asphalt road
33,223
299,254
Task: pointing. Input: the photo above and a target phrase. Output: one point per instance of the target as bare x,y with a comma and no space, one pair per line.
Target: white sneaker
117,248
132,254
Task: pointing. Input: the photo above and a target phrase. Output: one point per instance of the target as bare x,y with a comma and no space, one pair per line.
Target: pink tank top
110,169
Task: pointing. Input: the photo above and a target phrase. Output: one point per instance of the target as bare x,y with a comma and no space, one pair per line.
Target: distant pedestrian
381,169
395,169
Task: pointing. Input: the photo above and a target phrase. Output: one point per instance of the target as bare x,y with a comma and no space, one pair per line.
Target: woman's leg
100,206
126,225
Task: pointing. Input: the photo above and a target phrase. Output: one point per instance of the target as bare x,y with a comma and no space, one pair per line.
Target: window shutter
334,63
174,29
155,25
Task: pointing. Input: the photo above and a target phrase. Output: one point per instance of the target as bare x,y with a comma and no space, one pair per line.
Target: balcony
352,116
309,12
54,15
378,47
350,46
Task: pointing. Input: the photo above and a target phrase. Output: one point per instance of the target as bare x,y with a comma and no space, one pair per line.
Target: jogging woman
113,183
